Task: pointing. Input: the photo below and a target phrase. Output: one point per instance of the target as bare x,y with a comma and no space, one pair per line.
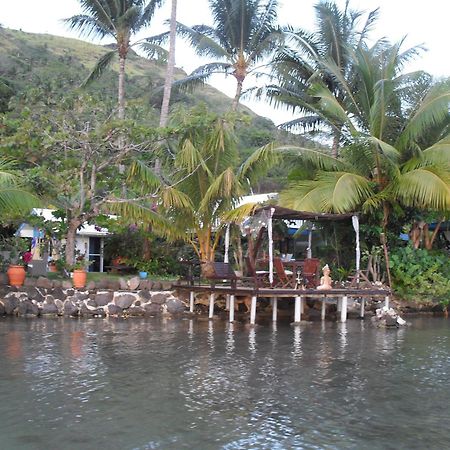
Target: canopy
291,214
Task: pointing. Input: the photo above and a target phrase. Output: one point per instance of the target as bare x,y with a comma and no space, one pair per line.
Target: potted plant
13,249
79,270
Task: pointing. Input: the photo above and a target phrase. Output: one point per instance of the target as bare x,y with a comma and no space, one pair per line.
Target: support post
363,308
298,309
191,301
324,309
227,302
386,301
211,305
231,308
253,310
339,304
344,309
274,308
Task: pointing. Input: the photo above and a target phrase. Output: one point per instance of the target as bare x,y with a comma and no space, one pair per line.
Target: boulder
114,285
10,303
152,309
4,278
175,306
124,301
159,298
27,307
66,284
49,309
114,310
133,283
2,308
60,305
166,285
135,311
156,285
70,308
91,286
30,282
49,300
144,296
103,298
44,282
123,284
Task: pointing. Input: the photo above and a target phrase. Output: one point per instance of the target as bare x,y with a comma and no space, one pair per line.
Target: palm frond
142,177
154,51
101,65
258,163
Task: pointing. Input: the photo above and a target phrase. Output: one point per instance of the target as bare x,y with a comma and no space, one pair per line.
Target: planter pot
79,278
143,275
52,268
16,275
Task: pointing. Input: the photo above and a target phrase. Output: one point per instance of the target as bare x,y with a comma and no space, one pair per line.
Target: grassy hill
57,64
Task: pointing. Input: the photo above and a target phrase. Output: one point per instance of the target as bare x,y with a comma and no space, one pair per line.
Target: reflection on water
168,384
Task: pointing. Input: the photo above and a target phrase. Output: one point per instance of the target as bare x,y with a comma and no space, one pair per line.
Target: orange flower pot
16,275
79,278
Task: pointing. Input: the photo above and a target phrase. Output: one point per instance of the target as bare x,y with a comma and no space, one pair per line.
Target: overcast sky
422,22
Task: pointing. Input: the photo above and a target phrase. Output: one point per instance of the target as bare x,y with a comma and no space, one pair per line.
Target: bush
420,274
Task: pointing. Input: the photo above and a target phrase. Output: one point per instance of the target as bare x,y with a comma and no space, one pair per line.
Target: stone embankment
117,298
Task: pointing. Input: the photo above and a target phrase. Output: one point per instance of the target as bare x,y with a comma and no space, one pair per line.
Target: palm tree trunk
70,240
335,147
170,67
121,90
237,95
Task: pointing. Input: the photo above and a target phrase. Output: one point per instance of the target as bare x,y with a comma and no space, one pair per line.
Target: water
155,384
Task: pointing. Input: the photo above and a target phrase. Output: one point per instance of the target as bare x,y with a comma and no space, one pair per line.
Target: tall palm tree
398,145
170,66
119,19
243,34
304,60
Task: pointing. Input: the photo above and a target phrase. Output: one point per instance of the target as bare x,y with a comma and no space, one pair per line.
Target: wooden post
363,308
253,310
274,308
191,301
231,308
298,309
386,301
324,308
344,309
211,305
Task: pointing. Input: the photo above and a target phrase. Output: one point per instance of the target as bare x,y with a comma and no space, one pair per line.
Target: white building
89,239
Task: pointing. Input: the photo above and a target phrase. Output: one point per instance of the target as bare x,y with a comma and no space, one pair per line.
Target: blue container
143,275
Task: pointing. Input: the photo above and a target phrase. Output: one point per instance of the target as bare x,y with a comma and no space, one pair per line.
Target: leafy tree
398,146
119,19
243,34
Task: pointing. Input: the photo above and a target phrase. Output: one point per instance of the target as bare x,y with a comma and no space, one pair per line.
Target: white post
102,248
211,305
363,307
298,309
344,309
309,249
324,309
355,222
253,310
227,302
227,244
231,308
274,308
191,301
386,301
270,237
339,304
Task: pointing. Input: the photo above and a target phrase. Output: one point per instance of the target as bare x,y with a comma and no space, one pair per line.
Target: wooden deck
339,296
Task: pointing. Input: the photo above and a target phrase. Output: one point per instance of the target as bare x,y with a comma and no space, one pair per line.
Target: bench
221,271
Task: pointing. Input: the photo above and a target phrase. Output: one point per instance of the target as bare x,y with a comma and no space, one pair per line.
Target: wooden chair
259,278
221,271
310,272
284,278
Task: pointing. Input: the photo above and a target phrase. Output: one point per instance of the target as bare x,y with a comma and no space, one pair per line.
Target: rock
30,282
159,298
10,303
57,284
114,310
133,283
70,309
91,286
2,308
145,284
58,293
137,303
60,305
103,298
390,321
49,300
66,284
124,301
175,306
33,293
144,296
166,285
49,308
44,282
92,303
156,285
135,311
114,285
102,284
4,278
123,284
81,296
26,307
152,309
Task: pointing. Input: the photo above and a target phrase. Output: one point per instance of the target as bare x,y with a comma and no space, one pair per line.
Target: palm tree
305,57
398,145
205,185
14,199
170,66
243,35
119,19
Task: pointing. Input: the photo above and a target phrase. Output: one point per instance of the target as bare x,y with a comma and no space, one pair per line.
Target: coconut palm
118,19
205,185
398,145
243,35
301,61
14,199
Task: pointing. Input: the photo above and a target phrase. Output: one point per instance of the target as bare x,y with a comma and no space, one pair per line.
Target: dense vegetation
378,137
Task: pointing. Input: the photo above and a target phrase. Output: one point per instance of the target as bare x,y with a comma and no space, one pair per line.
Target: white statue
325,280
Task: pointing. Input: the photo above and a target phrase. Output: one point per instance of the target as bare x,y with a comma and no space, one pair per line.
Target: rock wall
115,298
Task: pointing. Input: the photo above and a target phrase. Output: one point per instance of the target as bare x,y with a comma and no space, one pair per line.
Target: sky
421,22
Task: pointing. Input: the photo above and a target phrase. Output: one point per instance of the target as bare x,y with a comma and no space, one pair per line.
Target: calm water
135,384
